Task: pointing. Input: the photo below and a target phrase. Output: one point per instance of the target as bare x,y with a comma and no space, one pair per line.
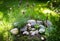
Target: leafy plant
36,26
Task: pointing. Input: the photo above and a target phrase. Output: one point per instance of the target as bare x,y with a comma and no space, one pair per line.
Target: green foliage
55,36
10,13
37,26
49,30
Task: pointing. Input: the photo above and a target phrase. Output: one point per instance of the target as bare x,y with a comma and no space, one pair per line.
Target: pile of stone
30,29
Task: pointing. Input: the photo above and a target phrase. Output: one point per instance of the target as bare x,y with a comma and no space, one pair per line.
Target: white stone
41,30
29,25
26,32
42,38
14,31
41,26
48,23
32,29
33,22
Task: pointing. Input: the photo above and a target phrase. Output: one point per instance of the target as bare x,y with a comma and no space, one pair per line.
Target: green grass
10,12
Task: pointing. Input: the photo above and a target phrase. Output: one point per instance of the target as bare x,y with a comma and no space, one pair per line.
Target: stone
34,32
24,28
32,29
48,23
14,31
26,32
31,32
42,38
32,22
42,26
29,28
41,30
29,25
39,22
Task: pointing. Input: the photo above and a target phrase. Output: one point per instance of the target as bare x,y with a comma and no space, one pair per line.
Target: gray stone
39,22
32,22
48,23
34,32
42,29
24,28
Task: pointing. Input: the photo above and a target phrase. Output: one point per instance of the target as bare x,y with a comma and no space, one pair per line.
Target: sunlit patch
1,22
4,26
1,27
39,5
36,9
46,11
1,30
53,13
9,26
41,9
5,36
